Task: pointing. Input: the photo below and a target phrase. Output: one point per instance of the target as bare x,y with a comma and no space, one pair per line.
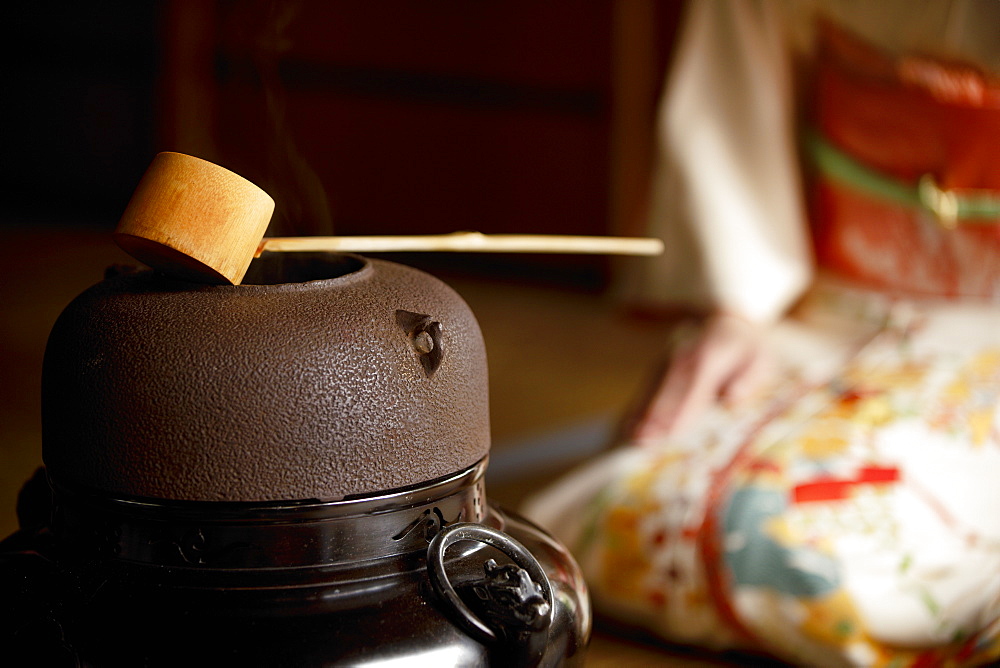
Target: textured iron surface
372,377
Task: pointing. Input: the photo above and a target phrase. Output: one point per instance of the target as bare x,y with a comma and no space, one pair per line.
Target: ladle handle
468,242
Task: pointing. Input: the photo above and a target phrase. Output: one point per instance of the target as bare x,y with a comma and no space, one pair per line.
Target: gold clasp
942,203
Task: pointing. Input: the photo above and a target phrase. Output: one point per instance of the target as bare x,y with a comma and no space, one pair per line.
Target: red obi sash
906,194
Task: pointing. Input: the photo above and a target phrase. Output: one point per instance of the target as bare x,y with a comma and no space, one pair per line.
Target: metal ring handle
483,534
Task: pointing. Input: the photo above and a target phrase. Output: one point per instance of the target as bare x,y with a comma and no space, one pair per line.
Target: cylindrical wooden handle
194,219
468,242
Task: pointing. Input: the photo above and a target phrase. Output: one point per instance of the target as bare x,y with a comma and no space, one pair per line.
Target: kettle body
288,472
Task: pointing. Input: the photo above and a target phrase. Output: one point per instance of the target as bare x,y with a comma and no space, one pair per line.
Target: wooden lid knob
194,220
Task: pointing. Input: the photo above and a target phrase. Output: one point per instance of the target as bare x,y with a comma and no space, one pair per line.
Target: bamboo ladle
196,220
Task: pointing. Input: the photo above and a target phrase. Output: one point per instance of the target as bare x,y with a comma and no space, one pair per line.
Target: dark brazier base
93,581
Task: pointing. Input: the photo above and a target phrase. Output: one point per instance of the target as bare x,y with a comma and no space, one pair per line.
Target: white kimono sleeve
727,199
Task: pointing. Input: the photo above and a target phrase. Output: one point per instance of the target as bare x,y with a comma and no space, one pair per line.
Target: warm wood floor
559,361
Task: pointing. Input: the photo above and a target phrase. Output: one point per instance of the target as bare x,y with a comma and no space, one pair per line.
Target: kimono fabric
844,516
849,513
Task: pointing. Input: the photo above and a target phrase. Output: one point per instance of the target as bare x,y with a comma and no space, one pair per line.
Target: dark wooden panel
417,117
556,43
78,108
392,168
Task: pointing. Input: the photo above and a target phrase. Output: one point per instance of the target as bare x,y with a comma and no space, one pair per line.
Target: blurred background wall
397,116
359,117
